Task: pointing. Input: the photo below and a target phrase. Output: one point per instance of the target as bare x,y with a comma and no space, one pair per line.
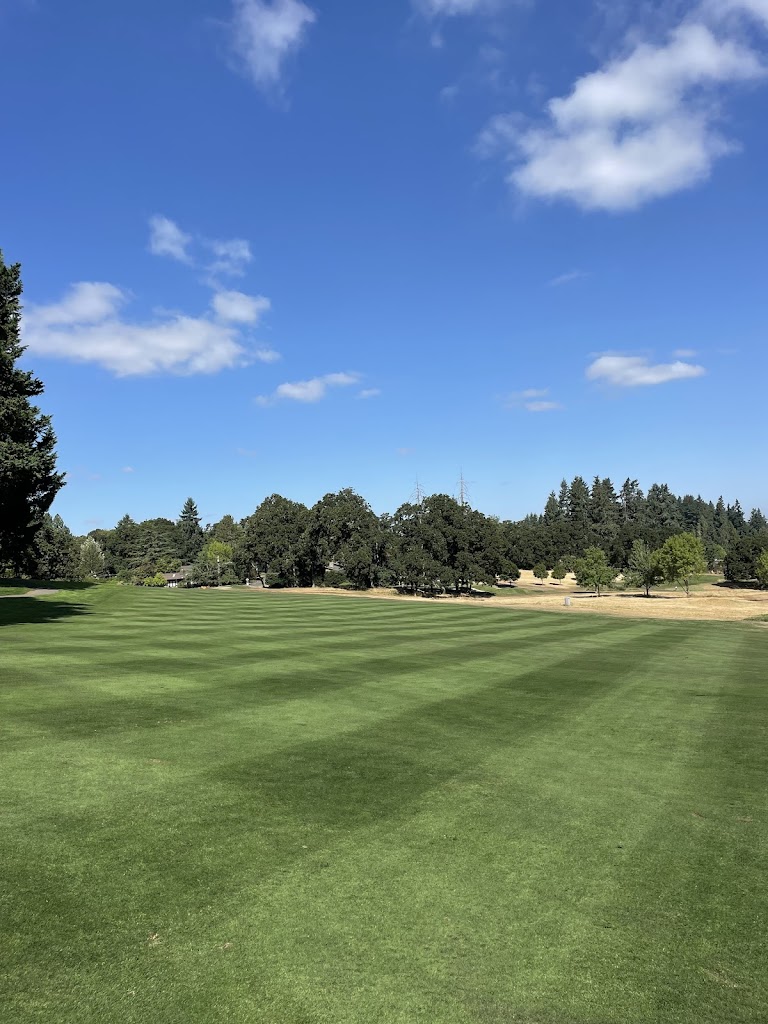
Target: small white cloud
232,256
405,452
641,127
567,278
452,8
685,353
167,239
312,390
238,308
247,453
127,469
369,393
264,34
267,355
637,371
533,400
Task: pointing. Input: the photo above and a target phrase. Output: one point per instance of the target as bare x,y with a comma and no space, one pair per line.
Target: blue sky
288,246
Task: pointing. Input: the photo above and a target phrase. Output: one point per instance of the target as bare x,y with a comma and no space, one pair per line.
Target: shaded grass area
231,806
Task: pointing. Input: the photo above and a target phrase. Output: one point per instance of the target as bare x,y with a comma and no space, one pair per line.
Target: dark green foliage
190,532
227,530
274,545
559,572
741,560
56,553
28,478
344,529
761,569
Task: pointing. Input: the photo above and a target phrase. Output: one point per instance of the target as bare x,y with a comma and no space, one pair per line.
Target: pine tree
28,478
191,542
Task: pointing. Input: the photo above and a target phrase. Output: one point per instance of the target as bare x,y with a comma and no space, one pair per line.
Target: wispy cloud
641,127
267,355
127,469
308,391
369,393
231,257
533,400
452,8
638,371
567,278
167,239
264,34
685,353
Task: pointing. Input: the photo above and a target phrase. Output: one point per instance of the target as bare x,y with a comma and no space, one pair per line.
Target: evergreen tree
190,532
28,478
757,521
56,553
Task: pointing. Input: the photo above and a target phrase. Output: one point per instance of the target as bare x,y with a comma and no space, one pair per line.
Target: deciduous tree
681,557
593,571
644,570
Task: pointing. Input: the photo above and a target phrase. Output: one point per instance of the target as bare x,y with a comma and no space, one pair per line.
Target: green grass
13,591
298,810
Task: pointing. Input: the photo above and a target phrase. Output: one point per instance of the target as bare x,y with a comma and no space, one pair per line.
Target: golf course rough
226,806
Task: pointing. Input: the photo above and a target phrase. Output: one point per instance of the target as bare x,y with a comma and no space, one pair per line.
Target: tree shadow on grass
15,611
63,585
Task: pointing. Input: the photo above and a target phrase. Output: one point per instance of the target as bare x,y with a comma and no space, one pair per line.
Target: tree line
437,543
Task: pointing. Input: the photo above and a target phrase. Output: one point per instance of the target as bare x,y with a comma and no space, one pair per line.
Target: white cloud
264,34
238,308
637,371
92,332
685,353
451,8
267,355
641,127
231,257
87,302
369,393
167,239
567,278
312,390
533,400
127,469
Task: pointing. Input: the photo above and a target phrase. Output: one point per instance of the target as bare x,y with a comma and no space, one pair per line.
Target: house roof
172,577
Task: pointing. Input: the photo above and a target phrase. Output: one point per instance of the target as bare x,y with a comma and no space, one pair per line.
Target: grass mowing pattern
238,807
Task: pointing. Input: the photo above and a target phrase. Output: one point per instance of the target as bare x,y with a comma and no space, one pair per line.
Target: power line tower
463,489
418,493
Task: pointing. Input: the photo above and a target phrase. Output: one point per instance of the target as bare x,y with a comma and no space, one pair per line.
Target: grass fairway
233,807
